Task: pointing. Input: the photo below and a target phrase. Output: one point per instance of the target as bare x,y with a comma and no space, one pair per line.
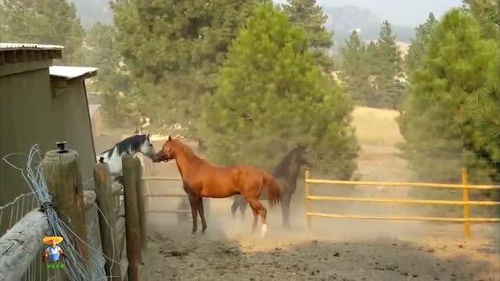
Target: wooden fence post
465,197
107,221
140,200
133,233
308,202
64,181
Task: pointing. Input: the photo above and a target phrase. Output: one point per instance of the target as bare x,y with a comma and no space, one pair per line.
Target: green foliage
272,96
373,72
418,48
440,136
42,22
173,50
386,69
355,71
309,16
487,13
113,81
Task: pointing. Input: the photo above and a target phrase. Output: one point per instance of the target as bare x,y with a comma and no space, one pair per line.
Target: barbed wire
76,268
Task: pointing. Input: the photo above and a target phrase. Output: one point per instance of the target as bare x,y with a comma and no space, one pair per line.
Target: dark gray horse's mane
133,142
283,166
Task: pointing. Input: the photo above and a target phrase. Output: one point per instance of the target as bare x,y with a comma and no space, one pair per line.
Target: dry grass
376,126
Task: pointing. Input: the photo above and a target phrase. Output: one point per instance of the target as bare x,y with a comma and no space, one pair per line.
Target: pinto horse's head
146,147
167,152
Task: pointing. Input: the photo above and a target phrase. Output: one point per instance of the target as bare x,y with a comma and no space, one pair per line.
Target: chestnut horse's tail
273,189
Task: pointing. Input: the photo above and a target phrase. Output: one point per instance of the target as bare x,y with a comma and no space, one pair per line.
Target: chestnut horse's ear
169,138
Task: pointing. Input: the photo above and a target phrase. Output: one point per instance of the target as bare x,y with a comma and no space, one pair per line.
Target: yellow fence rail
465,202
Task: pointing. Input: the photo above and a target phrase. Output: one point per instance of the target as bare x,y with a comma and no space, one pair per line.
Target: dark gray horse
286,173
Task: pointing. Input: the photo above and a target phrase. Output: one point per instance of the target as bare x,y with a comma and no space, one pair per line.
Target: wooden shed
41,104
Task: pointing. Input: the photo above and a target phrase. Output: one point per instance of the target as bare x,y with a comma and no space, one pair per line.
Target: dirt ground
317,257
333,250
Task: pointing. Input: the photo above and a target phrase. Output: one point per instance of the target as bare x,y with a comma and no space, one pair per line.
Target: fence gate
149,195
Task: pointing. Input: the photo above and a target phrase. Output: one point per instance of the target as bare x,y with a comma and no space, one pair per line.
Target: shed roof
31,56
28,46
71,72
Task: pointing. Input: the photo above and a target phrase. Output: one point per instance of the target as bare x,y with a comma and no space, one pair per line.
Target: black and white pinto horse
131,146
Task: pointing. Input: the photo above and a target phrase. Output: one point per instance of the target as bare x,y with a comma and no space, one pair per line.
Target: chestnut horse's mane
186,149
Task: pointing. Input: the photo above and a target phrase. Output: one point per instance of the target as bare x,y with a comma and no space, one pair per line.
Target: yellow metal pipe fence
465,202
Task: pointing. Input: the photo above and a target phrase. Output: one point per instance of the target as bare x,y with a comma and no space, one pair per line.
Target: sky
401,12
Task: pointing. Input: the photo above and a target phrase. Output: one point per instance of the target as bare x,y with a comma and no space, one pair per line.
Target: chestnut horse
202,179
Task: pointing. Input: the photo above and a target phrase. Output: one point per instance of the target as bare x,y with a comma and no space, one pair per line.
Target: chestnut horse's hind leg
201,211
258,208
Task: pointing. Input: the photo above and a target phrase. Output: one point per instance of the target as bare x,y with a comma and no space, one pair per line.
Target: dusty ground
317,257
334,249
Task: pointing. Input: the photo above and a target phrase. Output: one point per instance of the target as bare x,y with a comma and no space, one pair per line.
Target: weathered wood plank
174,195
20,245
169,211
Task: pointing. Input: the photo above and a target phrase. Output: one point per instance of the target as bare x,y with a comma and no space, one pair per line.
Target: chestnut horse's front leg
201,211
193,202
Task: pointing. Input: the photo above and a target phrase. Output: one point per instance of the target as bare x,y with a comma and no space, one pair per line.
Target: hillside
342,20
93,11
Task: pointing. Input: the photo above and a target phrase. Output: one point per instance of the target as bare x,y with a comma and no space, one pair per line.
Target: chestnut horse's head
167,151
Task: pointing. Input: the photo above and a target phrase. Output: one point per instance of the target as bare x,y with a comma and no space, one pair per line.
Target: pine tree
483,107
173,50
43,22
387,67
440,137
355,71
113,82
487,13
417,50
308,15
272,96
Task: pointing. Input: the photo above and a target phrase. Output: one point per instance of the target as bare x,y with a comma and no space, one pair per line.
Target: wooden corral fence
149,195
108,219
465,202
